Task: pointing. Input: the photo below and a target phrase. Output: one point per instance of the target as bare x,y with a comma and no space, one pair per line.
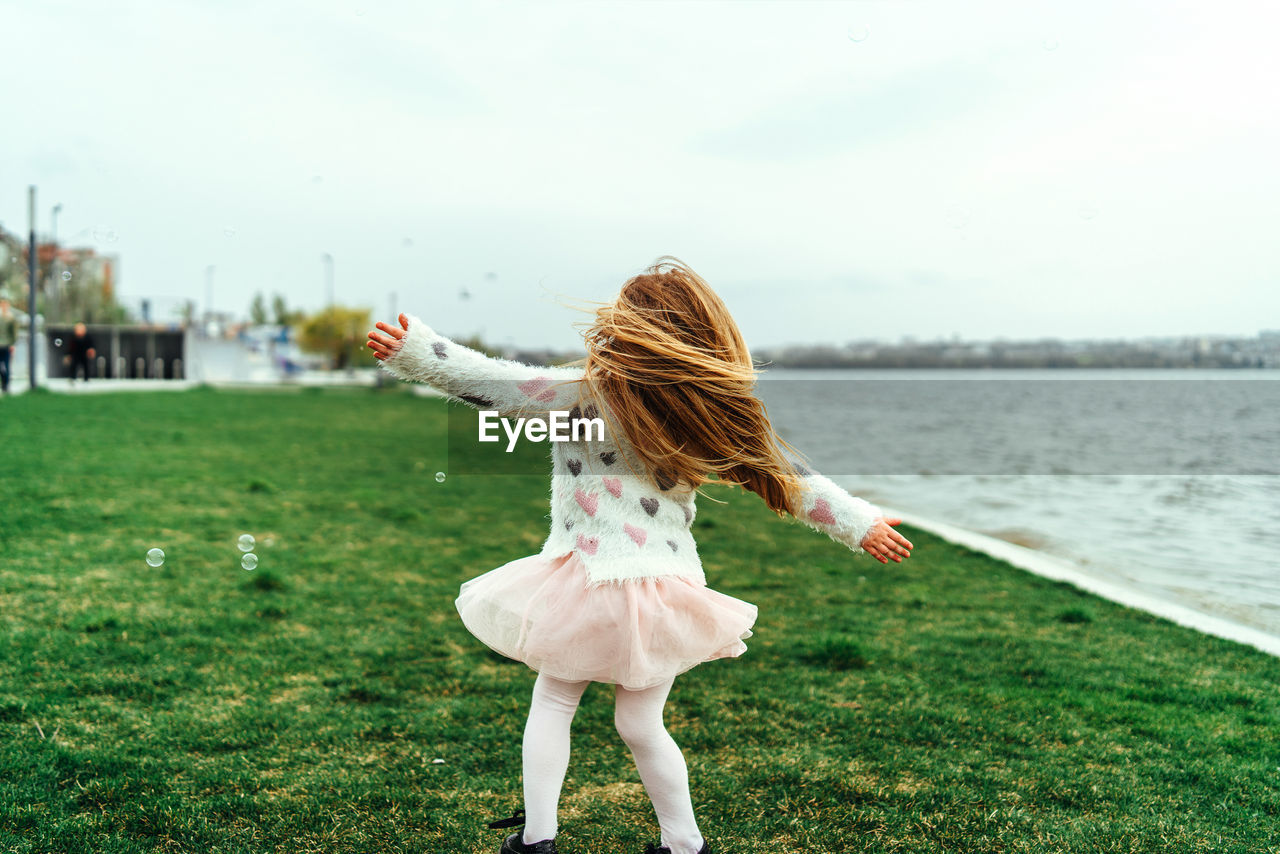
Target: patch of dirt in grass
375,758
909,784
583,800
42,580
404,577
862,780
298,684
217,709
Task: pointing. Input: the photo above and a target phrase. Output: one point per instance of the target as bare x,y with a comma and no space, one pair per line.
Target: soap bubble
858,34
1088,212
957,217
155,557
246,542
57,342
1050,44
249,561
66,275
439,477
437,761
229,232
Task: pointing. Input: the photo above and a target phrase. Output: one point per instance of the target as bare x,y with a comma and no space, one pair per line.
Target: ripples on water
1168,481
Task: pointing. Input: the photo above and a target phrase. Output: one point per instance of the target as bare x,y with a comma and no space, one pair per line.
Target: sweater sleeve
833,511
513,389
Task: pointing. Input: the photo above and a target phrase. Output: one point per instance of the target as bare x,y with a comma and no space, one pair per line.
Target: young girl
617,594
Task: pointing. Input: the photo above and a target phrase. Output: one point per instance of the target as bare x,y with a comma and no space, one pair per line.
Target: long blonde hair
672,366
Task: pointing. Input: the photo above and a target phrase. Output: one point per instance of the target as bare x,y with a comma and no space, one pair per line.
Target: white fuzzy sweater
623,525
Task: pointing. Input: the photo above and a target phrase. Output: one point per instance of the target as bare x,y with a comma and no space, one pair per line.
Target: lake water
1166,481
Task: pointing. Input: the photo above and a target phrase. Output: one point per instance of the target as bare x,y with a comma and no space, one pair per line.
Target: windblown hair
672,366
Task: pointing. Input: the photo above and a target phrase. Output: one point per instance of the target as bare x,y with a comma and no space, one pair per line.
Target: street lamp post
32,268
55,267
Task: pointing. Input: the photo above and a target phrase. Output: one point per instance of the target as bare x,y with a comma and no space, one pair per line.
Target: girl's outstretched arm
847,519
414,351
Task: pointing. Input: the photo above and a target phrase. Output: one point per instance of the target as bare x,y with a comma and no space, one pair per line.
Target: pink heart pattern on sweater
535,388
639,535
821,512
614,485
588,544
588,501
530,388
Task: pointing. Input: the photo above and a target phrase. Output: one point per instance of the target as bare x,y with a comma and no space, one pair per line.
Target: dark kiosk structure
123,352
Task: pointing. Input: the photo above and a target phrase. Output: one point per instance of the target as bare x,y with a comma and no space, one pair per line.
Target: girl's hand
882,542
386,346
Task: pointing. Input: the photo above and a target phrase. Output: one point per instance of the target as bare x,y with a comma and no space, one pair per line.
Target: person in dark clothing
8,338
82,351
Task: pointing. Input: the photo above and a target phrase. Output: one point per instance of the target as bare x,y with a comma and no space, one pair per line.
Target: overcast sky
837,171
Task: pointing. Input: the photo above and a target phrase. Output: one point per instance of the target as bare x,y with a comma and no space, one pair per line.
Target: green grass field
948,704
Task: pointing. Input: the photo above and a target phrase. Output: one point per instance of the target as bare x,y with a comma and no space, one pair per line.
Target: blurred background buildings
79,284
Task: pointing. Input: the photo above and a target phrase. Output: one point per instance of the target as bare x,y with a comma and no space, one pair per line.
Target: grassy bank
951,703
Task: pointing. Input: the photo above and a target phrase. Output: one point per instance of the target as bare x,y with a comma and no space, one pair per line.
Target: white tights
638,717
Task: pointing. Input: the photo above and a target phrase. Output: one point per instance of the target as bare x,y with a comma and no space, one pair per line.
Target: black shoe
650,848
514,844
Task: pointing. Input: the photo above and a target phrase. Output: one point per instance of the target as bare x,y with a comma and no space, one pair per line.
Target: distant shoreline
1005,366
917,362
1192,351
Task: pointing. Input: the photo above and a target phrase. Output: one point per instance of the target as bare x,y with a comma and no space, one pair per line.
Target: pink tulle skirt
636,633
